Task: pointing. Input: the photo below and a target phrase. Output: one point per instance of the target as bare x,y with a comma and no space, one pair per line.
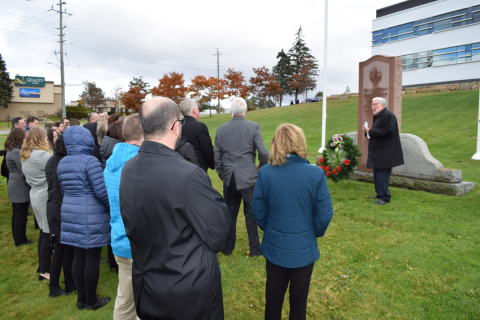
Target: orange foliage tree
265,85
204,90
171,86
235,84
133,98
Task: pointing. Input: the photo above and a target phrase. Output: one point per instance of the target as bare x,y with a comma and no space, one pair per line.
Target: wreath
339,159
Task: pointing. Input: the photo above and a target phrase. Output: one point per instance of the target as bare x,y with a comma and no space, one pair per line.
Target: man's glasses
182,122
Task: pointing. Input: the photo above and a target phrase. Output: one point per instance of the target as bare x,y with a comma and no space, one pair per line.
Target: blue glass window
475,45
423,32
440,51
476,8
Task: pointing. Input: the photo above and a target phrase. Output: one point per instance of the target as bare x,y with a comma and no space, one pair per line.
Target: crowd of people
138,185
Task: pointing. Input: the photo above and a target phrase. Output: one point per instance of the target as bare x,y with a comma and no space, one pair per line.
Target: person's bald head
157,116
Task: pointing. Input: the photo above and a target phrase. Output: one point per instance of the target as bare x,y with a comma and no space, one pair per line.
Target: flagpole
476,156
324,100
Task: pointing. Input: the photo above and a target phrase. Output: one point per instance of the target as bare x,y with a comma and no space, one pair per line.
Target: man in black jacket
384,148
176,223
196,133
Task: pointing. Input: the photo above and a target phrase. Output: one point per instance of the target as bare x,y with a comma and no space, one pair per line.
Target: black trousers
233,199
19,223
381,178
86,271
277,283
111,259
44,252
62,255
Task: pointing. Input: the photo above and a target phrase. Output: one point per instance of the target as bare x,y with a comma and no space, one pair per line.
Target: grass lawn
415,258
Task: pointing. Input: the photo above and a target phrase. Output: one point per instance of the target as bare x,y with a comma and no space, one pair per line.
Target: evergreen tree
283,72
6,89
140,82
304,64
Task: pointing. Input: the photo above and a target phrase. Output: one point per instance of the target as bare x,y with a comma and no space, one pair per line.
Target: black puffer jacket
384,147
176,222
55,196
185,149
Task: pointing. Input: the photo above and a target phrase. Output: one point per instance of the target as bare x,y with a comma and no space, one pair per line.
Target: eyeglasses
182,122
375,104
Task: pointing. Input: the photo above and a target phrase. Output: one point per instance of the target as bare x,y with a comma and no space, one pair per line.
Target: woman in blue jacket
85,217
292,205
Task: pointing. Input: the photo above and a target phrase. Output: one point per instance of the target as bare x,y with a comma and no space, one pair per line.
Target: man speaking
175,221
384,148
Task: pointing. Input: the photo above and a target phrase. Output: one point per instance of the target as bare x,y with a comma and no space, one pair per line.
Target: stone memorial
379,76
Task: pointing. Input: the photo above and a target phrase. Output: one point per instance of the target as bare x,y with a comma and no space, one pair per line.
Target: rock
475,87
448,175
451,189
419,163
463,88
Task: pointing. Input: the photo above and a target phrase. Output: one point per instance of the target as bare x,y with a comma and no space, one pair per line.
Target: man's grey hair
157,118
91,115
238,107
381,101
187,106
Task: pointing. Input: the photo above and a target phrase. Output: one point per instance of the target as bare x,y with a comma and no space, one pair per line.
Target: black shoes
380,202
100,303
374,197
55,292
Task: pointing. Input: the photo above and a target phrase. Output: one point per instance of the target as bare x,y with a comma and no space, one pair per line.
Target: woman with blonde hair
292,205
34,156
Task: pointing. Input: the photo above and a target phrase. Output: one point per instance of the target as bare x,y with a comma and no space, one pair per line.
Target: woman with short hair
292,205
34,156
18,189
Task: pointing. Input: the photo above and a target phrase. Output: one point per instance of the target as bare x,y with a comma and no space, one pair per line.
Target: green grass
415,258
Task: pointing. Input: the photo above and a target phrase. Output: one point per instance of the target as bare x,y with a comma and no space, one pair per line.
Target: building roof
404,5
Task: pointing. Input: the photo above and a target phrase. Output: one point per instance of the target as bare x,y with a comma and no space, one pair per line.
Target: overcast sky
109,42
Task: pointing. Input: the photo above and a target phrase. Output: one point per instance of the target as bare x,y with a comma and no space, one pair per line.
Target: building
108,106
33,96
439,40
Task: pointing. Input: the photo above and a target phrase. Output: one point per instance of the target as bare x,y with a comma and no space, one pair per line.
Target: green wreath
340,158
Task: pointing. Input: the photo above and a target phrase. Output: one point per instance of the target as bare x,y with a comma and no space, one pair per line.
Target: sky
110,42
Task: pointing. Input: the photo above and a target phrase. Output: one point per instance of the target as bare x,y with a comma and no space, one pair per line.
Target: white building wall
437,40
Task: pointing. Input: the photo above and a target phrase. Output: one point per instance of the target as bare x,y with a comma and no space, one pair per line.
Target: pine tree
6,89
304,64
283,72
140,82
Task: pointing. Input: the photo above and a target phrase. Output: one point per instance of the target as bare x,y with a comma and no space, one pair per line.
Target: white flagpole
324,100
476,156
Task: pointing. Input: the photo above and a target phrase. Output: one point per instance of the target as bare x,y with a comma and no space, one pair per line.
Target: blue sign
29,93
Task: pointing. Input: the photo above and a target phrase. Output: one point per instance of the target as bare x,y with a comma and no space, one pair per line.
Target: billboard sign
29,93
29,81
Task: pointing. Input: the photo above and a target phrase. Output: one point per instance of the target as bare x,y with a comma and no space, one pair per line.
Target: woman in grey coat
34,155
18,189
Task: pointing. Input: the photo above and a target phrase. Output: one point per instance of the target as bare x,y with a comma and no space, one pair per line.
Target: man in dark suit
236,145
384,148
91,126
196,133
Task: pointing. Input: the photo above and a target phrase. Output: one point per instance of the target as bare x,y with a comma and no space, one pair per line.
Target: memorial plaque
379,76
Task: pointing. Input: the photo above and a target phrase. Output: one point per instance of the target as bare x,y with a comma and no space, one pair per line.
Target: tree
283,72
217,90
235,84
6,89
254,102
171,86
133,98
92,94
319,94
140,82
347,91
304,64
205,90
117,93
265,85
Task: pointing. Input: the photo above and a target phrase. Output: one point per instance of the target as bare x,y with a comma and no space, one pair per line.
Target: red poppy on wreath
327,168
346,162
323,167
321,160
339,168
328,173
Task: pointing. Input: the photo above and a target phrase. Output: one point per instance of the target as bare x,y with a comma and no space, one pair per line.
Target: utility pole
218,82
62,68
476,156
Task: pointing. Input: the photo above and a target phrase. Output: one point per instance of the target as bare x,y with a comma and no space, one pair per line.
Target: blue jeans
381,178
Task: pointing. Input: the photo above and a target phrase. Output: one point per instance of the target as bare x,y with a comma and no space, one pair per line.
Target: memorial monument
381,76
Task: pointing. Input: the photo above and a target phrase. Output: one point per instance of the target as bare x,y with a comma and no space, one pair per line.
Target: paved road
4,132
